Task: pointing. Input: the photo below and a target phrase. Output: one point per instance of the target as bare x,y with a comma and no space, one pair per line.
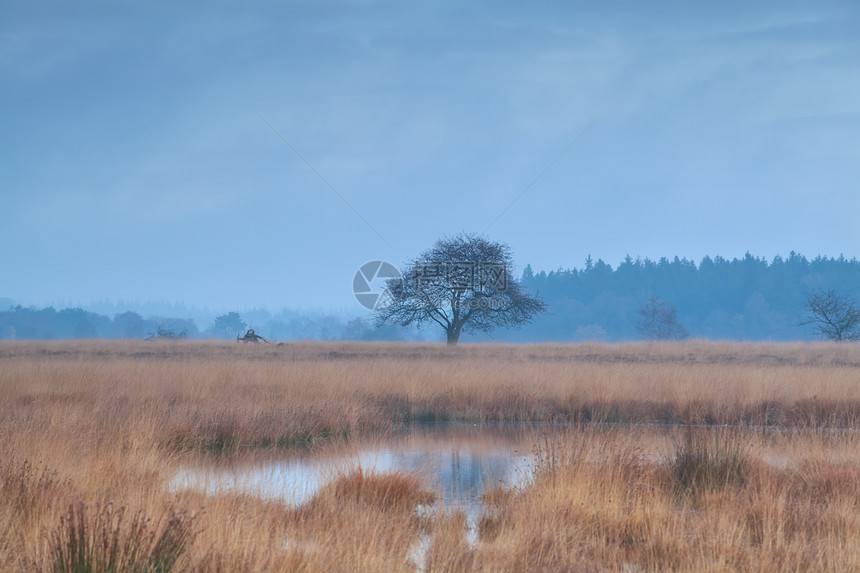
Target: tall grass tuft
361,521
396,490
27,491
101,540
706,460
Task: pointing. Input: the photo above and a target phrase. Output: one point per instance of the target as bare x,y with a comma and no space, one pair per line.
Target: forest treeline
30,323
747,298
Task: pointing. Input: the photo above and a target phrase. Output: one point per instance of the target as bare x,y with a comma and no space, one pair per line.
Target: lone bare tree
463,284
660,322
833,315
166,332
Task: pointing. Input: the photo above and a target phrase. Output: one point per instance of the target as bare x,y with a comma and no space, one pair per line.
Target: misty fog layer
738,299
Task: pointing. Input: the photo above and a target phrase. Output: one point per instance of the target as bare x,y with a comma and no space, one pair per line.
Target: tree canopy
462,284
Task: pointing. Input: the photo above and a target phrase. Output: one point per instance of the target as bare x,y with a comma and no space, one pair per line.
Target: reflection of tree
471,473
460,476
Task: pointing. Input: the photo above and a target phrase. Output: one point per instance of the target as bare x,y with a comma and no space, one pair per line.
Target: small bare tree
833,315
164,332
660,322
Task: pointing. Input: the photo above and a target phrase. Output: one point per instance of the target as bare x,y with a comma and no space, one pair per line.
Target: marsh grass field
693,456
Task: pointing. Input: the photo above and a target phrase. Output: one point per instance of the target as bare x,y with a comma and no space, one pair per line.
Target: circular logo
370,284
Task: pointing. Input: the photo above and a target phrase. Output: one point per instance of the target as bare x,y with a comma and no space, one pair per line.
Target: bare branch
833,315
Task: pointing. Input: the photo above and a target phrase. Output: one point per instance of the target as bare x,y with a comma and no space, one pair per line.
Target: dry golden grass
598,504
107,424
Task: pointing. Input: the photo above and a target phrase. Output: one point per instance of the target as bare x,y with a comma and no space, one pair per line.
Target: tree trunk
453,336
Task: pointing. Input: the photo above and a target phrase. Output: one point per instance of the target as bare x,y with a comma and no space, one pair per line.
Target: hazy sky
134,163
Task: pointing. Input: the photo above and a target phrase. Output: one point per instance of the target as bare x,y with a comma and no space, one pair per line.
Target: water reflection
457,462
